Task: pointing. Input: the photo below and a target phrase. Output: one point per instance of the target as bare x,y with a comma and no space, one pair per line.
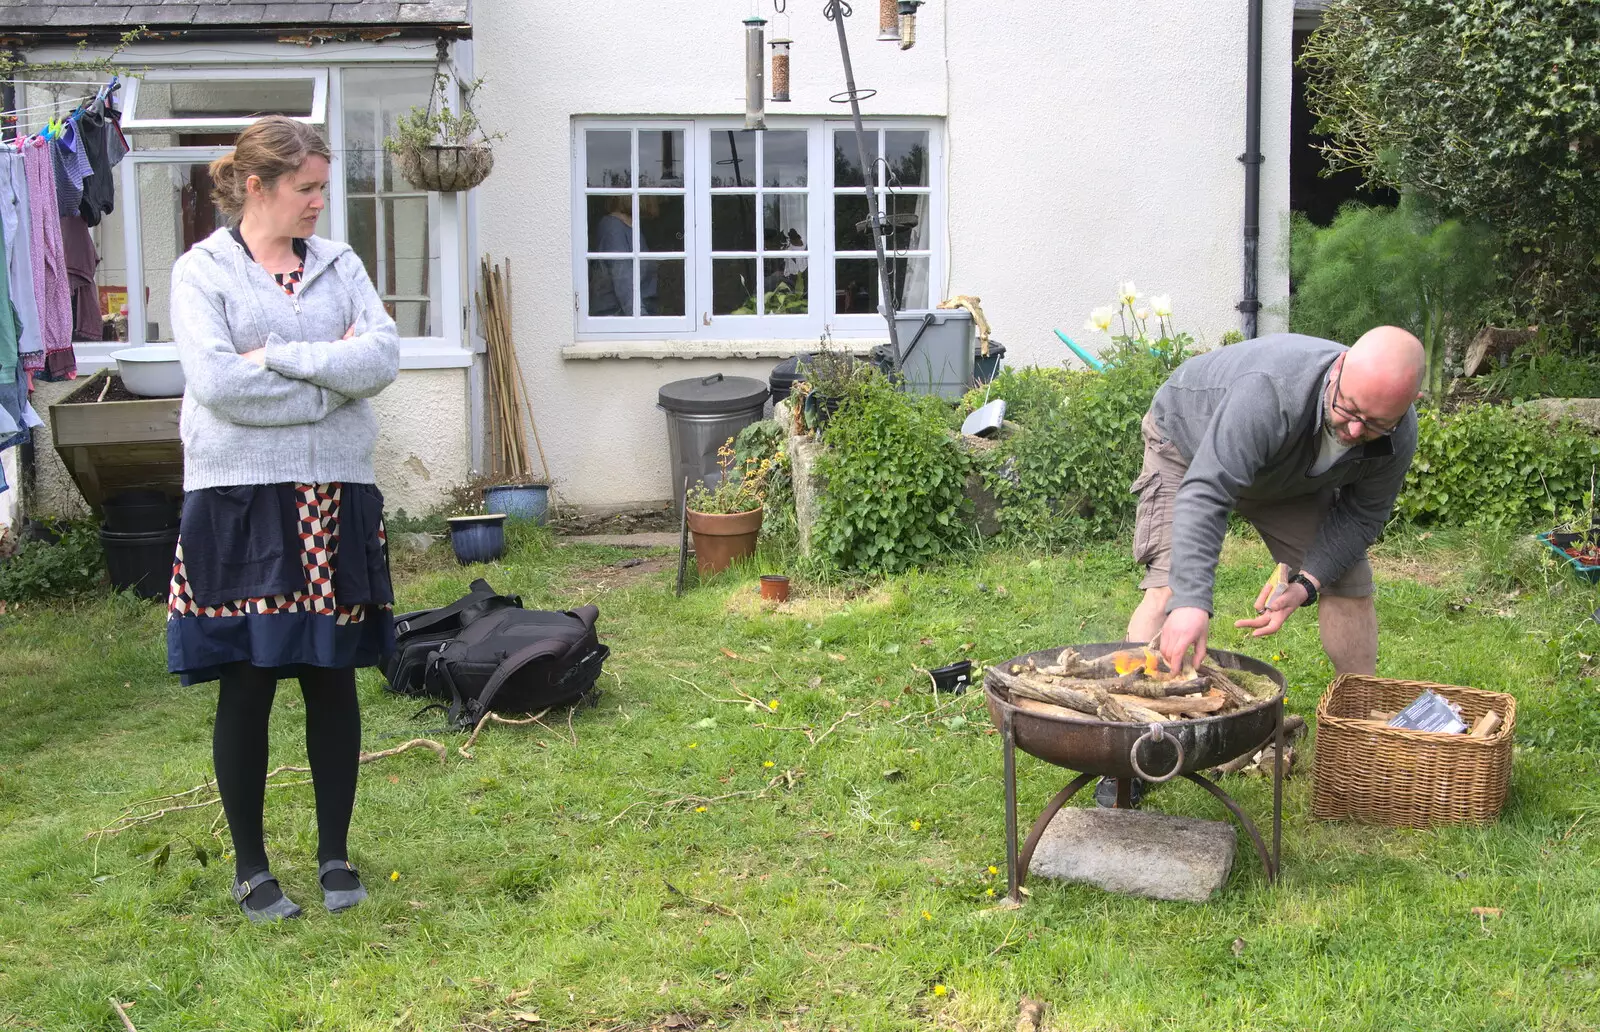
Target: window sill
598,350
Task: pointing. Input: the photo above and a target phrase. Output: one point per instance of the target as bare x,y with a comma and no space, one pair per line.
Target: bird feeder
755,62
907,9
780,70
888,21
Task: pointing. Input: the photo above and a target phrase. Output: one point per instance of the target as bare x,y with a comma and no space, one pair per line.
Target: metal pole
1009,743
1250,306
869,175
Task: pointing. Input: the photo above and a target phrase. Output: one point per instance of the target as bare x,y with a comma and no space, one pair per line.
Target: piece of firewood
1238,763
1142,715
1293,724
1083,702
1045,709
1384,715
1229,688
1486,725
1163,689
1199,704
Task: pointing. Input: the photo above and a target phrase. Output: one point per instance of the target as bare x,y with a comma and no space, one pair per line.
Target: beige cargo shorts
1288,526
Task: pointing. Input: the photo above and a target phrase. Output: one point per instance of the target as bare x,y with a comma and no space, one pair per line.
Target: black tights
239,750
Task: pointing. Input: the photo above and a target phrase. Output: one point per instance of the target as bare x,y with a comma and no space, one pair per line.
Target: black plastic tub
141,562
141,512
785,375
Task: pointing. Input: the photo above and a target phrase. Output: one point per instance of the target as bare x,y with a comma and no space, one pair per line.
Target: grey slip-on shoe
280,909
340,899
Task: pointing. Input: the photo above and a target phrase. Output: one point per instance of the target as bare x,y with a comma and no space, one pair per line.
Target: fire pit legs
1017,862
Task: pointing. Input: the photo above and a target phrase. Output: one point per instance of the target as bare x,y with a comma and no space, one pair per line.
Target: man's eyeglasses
1351,416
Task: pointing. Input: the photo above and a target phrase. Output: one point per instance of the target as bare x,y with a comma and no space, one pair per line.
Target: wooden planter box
111,441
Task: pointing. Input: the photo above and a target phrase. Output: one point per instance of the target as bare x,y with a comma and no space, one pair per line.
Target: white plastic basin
151,372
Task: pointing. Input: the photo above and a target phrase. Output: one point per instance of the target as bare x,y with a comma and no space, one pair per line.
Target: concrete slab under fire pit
1137,853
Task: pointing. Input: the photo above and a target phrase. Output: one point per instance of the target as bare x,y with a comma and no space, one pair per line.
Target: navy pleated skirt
279,576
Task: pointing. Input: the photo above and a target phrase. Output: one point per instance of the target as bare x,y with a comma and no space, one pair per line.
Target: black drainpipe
1251,305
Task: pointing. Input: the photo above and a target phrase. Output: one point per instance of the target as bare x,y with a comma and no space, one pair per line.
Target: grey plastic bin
936,351
702,413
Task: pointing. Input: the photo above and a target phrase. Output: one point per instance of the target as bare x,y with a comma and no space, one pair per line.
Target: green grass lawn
669,858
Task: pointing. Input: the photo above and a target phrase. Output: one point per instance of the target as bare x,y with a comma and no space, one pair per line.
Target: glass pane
374,101
610,287
611,224
660,157
785,157
661,285
410,317
784,222
908,228
856,283
785,284
362,228
610,157
848,210
846,162
733,286
661,222
908,156
405,248
733,157
203,97
733,222
175,211
111,277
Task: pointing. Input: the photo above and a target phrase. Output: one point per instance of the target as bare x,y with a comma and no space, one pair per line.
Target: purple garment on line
50,281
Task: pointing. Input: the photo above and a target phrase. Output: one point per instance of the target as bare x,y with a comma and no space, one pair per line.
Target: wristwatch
1305,582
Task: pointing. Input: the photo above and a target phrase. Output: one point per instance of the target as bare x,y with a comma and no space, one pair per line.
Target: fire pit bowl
1153,752
1101,747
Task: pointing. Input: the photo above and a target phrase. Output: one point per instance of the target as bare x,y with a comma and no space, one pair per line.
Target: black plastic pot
984,367
785,375
141,562
954,678
819,408
141,512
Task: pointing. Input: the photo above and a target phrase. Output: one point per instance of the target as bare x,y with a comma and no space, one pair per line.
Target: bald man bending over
1306,439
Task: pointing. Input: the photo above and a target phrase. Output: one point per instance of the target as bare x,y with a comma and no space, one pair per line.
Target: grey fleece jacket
1247,419
304,417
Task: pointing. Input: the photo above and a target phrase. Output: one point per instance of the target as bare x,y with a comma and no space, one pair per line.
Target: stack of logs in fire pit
1129,686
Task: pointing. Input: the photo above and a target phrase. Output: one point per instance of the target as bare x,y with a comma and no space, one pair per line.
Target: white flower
1162,306
1127,294
1142,314
1100,320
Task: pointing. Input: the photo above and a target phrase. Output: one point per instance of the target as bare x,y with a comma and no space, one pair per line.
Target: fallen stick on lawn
466,750
118,1005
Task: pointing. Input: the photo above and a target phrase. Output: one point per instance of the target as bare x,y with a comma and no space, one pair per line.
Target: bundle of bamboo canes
507,390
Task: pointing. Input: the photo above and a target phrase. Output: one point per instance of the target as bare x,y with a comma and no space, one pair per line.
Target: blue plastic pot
478,539
1558,543
520,501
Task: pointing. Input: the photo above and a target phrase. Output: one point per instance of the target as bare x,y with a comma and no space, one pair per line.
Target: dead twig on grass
747,700
709,905
466,750
130,818
117,1005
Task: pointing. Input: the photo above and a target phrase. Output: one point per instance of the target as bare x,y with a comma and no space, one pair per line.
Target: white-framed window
720,233
221,99
181,116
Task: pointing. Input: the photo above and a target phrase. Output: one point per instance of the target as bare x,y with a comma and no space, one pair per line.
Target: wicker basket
446,169
1365,771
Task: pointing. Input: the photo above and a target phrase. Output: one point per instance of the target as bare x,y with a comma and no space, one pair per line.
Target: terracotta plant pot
774,587
720,538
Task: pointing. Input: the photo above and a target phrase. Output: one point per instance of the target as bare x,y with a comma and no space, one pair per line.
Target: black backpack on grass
515,660
420,634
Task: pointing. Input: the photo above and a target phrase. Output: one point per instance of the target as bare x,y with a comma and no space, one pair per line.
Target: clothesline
43,107
51,82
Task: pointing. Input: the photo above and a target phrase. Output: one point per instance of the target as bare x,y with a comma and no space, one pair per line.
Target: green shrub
38,570
1029,393
896,480
1391,266
1542,374
1486,465
1068,471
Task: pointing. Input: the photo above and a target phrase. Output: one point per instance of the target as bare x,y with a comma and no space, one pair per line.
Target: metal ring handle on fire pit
1155,734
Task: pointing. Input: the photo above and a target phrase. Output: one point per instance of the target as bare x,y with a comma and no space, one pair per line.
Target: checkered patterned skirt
309,626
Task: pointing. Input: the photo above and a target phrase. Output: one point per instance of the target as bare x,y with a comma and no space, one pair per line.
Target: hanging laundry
71,165
100,135
82,262
51,286
16,215
8,324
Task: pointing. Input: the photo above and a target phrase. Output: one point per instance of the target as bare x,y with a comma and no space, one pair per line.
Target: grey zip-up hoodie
1247,419
303,418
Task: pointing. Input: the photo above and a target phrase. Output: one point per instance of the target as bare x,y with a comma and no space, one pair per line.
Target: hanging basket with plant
441,150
